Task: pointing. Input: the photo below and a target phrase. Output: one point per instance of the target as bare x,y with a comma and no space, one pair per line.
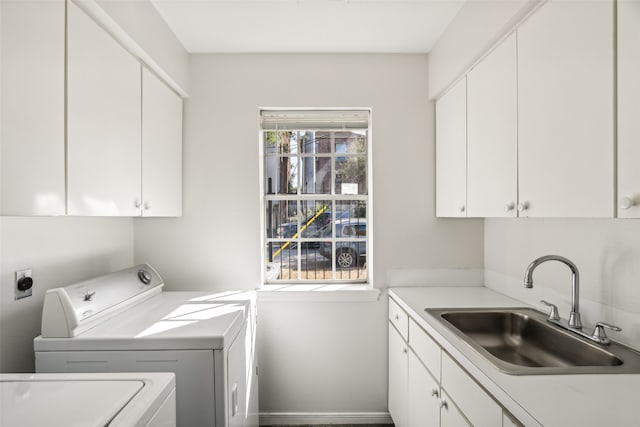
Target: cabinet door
628,108
32,103
398,377
479,408
450,415
161,148
492,144
424,396
565,110
103,121
451,152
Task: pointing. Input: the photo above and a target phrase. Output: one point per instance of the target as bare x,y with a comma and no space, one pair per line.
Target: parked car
351,253
315,228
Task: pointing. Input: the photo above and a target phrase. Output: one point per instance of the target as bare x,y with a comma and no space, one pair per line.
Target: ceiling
308,26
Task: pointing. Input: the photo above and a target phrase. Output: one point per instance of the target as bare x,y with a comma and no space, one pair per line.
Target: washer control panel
86,302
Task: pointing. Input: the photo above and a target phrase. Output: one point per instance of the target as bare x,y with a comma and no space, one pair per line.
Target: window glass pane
314,264
284,261
350,142
352,212
280,142
315,142
281,175
316,218
351,175
316,177
281,220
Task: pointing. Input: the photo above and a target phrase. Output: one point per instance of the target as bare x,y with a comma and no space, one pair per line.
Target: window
316,196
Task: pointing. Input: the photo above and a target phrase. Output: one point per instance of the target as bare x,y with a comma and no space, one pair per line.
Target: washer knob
144,276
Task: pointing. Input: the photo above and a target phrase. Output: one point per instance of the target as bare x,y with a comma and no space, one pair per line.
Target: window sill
318,293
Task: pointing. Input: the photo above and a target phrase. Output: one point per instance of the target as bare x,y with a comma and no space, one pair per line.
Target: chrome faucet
574,316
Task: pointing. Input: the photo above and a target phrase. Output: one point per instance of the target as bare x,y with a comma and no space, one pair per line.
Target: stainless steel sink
520,341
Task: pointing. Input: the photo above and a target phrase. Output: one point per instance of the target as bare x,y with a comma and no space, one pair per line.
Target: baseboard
297,418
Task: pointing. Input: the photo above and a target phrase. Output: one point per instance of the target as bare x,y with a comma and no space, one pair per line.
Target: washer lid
168,321
64,403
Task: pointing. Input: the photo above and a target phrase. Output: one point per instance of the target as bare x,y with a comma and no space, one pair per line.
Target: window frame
299,197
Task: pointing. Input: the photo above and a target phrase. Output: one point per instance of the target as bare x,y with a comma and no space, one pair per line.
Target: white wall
60,250
314,357
476,27
142,22
606,251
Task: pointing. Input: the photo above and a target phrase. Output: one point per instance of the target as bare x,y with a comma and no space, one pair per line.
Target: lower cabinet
450,415
423,395
427,388
398,376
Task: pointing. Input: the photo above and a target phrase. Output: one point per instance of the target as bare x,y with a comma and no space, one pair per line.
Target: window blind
314,119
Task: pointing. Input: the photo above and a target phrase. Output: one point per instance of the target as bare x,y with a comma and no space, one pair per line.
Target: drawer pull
435,393
444,405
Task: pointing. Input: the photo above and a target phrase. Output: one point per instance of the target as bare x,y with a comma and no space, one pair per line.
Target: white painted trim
364,291
102,18
318,293
296,418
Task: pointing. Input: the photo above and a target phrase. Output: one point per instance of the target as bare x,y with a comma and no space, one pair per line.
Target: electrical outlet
24,283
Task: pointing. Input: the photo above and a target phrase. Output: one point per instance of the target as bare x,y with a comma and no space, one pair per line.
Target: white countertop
549,400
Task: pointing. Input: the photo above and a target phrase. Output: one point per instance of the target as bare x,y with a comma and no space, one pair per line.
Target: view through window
316,196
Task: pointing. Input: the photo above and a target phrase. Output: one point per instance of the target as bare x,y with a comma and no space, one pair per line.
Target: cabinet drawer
479,408
399,319
425,348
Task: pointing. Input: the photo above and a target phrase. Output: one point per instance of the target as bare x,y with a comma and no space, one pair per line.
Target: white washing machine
124,322
88,400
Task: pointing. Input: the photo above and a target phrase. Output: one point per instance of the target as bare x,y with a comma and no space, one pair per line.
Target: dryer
125,322
88,400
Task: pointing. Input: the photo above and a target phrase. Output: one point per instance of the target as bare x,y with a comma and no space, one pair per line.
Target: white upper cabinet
565,110
492,146
628,109
161,148
32,108
103,122
451,152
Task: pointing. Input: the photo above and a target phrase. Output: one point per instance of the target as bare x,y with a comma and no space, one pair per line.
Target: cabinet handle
444,405
404,351
147,205
627,203
462,208
523,206
435,393
509,206
137,204
397,317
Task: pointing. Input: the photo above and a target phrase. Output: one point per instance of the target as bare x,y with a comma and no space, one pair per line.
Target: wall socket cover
19,275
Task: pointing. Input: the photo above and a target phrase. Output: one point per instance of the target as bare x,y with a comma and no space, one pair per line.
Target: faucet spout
574,316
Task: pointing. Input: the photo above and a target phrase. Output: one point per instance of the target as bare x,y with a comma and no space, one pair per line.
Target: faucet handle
600,336
553,313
